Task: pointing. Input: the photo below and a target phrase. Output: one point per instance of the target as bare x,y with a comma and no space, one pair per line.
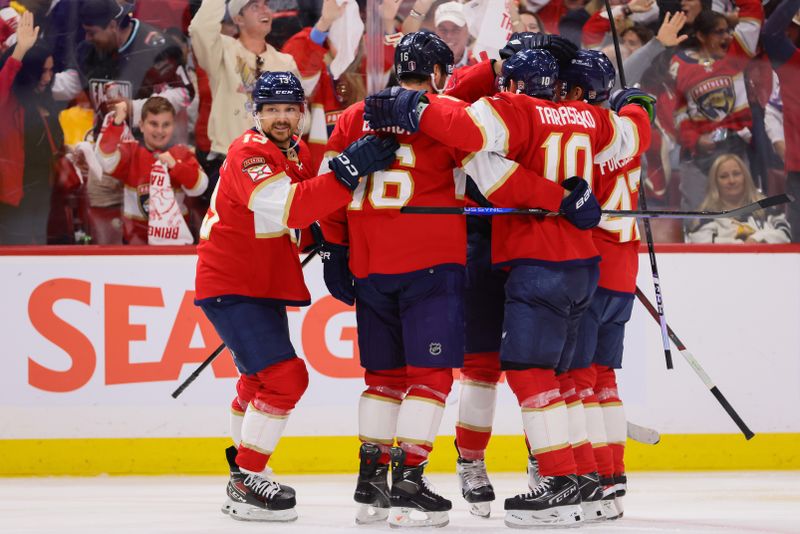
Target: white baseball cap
236,6
450,12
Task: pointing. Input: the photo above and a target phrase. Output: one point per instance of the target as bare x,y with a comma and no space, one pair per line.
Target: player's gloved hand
580,207
395,106
364,156
563,49
336,271
622,97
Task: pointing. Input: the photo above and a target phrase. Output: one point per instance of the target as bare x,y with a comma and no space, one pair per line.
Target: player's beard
280,132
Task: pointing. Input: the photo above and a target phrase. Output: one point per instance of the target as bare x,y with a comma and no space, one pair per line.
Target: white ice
754,502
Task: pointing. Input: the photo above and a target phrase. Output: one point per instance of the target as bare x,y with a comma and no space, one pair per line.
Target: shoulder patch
252,162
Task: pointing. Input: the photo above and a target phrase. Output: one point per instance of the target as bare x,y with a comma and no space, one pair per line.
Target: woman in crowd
731,186
31,138
713,116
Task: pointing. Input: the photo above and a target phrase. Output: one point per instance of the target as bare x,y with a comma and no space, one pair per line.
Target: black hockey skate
236,475
475,486
411,492
555,502
609,502
372,489
591,497
259,498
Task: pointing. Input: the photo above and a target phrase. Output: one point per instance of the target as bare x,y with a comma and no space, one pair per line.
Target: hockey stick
213,356
639,214
690,359
642,434
648,233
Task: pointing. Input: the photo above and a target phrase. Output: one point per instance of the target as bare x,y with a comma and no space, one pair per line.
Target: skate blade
401,517
248,512
610,509
367,514
620,507
558,517
226,507
593,511
480,509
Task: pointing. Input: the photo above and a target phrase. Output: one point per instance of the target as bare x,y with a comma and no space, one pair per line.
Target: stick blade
642,434
775,201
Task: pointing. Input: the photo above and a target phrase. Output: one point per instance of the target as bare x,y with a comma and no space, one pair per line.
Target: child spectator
730,186
156,175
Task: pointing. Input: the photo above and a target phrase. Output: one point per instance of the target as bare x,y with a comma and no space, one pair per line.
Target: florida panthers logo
143,199
715,98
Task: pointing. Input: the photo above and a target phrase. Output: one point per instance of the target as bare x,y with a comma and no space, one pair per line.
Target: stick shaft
698,369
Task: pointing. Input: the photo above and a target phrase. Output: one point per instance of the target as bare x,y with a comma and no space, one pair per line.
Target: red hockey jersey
555,141
132,164
617,238
425,173
712,94
246,245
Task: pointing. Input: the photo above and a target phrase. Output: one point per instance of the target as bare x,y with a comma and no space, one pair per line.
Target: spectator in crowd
451,26
731,186
233,65
291,16
713,115
635,37
123,58
528,21
156,174
31,138
596,31
781,38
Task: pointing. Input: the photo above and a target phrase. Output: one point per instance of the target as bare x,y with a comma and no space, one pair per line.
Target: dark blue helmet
593,72
533,72
277,88
418,52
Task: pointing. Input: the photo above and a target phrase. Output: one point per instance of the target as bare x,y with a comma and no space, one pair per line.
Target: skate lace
542,488
263,486
474,474
427,484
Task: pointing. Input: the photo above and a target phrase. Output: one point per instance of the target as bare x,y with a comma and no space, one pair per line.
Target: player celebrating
409,277
541,318
248,272
600,336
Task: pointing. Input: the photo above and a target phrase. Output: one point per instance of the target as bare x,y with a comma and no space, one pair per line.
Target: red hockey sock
478,396
545,420
613,415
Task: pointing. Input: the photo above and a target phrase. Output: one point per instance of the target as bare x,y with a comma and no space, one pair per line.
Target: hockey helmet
532,72
592,71
418,52
277,88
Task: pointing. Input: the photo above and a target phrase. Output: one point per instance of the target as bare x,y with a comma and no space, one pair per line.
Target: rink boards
94,345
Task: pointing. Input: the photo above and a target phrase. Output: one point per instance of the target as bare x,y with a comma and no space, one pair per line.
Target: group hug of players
525,296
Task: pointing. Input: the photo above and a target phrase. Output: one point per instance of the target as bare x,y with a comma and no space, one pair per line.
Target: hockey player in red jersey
553,265
248,271
597,420
156,175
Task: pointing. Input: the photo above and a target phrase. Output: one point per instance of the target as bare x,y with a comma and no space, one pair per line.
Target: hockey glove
364,156
562,49
631,95
336,272
395,106
580,207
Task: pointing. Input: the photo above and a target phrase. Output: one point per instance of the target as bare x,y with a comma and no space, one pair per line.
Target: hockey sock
544,419
379,406
476,404
277,389
581,447
237,417
421,411
595,426
613,415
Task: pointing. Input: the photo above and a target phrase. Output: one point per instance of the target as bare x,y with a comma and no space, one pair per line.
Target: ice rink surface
767,502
